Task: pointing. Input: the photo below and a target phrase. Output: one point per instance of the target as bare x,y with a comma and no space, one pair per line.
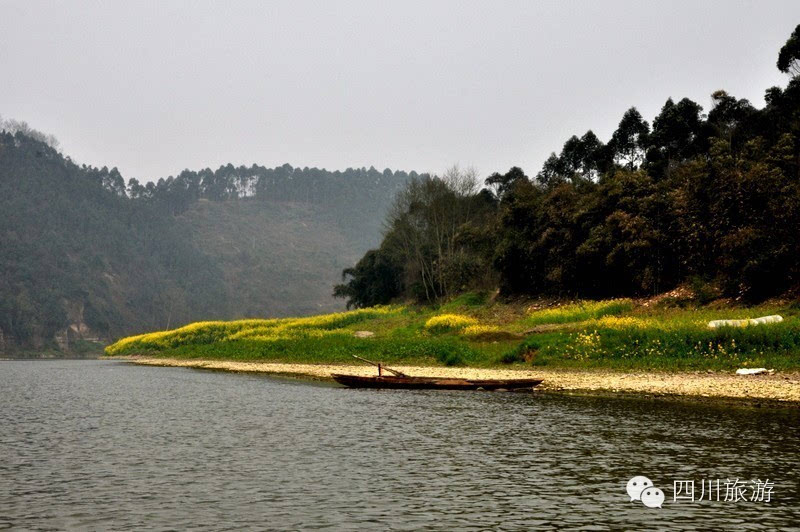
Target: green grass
337,350
471,330
580,311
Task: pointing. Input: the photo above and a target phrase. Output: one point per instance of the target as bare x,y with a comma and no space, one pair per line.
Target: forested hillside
85,255
275,260
705,197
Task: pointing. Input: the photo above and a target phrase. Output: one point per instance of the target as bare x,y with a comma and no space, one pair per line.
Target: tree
789,56
755,212
135,189
375,280
113,181
551,173
501,184
580,160
516,256
675,135
629,141
726,111
580,157
435,228
715,197
22,127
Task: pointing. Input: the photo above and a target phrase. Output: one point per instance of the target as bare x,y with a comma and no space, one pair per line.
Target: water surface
109,445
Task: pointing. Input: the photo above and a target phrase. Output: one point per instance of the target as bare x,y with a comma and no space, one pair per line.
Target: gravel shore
781,387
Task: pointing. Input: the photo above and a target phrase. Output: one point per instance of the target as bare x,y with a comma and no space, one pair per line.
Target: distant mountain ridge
86,256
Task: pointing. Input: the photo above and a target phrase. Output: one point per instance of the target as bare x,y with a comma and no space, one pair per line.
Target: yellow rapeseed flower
447,322
478,330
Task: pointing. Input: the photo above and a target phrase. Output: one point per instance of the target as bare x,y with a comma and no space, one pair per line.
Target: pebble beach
770,388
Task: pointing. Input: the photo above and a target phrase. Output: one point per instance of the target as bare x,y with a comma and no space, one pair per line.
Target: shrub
580,311
704,292
479,330
449,322
470,299
487,333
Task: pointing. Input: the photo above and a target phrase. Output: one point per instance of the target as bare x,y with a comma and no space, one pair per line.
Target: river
110,445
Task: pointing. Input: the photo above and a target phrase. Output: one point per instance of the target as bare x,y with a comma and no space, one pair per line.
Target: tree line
337,192
709,198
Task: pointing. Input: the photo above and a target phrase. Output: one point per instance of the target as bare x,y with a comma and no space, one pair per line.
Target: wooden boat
432,383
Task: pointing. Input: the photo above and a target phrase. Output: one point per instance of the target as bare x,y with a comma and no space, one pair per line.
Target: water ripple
106,445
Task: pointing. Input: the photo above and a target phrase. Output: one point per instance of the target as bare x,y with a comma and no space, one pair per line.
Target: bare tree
425,218
20,126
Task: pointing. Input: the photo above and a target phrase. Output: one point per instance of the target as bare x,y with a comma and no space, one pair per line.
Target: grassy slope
611,334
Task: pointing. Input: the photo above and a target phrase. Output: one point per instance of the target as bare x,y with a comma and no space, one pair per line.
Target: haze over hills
87,256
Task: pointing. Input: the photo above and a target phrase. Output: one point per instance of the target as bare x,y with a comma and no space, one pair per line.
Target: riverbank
662,347
781,388
665,334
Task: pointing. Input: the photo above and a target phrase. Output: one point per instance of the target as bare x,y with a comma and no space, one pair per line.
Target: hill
275,260
86,257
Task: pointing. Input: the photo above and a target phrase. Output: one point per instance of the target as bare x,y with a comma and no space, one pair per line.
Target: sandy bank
780,387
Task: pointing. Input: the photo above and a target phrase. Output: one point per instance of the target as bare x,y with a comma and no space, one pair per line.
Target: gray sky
156,87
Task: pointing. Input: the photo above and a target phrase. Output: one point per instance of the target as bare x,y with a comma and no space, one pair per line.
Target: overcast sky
156,87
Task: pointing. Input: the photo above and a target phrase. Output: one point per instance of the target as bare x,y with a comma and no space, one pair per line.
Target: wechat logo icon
641,488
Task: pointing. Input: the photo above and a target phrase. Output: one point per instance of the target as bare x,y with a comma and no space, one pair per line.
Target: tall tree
675,136
501,184
789,55
629,141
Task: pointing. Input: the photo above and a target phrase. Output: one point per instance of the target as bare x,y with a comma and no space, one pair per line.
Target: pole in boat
381,367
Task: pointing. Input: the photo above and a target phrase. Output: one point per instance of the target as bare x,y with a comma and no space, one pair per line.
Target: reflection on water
102,444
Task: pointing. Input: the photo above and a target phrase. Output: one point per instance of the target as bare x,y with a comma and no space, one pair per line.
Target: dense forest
87,256
711,199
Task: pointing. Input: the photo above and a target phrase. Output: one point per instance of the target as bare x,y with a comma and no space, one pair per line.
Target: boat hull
433,383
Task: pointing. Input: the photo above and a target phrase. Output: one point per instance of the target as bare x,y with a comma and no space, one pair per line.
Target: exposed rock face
62,339
77,328
82,331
